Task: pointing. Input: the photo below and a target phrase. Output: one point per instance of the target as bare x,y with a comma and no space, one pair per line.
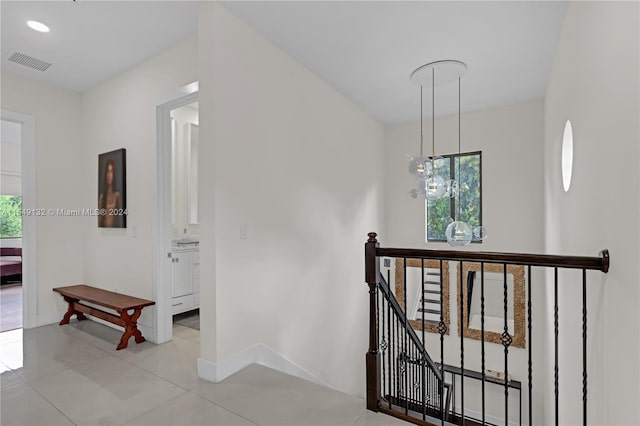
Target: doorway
10,226
176,243
18,284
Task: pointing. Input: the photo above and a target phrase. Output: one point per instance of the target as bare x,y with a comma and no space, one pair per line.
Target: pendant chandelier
432,186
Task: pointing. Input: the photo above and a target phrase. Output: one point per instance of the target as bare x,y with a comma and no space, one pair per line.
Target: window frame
452,201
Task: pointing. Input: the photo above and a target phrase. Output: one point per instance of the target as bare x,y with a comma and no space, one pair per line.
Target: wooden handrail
600,263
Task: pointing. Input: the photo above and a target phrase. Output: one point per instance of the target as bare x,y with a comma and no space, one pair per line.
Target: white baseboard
256,354
47,319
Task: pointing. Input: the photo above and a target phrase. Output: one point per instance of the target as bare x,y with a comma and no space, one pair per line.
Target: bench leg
130,328
70,311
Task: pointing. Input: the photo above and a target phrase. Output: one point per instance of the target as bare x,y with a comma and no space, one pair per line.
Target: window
438,213
11,217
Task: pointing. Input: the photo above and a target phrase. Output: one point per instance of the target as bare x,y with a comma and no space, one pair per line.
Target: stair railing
402,379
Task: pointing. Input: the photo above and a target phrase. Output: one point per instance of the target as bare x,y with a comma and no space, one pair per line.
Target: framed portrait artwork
112,189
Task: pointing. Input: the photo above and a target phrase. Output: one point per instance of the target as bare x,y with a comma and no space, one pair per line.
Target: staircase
402,379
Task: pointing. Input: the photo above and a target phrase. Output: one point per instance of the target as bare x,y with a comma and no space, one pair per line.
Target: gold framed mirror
494,302
431,307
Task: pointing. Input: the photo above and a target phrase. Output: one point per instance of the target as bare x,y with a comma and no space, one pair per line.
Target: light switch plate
244,231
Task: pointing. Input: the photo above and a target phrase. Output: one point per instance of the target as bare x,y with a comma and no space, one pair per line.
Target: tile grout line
59,371
154,374
223,407
155,407
51,403
90,343
138,366
358,419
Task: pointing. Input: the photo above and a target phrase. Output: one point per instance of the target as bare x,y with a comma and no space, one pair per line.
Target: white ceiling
92,41
367,50
364,49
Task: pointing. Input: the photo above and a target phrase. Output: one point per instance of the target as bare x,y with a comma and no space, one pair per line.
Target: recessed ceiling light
38,26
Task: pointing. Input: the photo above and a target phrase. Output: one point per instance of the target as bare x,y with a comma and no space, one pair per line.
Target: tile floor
190,319
70,375
10,306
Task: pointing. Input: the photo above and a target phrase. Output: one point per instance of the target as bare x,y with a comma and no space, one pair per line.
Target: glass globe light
420,192
480,233
447,220
451,189
439,162
435,187
458,233
420,167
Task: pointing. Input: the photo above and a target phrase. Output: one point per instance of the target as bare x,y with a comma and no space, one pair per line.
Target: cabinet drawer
181,304
196,300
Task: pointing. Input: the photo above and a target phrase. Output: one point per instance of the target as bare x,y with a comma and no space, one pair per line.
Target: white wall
510,139
59,180
303,168
121,113
595,83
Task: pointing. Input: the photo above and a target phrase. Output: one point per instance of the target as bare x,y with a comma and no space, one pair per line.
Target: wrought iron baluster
530,349
390,340
412,348
506,342
461,289
422,358
483,367
431,401
394,347
584,347
383,343
442,329
404,334
555,332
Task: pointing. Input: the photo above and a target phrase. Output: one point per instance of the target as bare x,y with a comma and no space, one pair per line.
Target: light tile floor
10,306
70,375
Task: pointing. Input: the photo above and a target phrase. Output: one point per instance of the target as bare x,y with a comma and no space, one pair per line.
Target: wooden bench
121,303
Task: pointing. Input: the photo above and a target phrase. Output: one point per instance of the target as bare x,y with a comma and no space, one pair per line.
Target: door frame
163,319
29,240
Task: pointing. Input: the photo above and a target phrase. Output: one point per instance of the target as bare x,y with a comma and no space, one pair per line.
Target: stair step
431,321
429,311
432,291
431,301
432,282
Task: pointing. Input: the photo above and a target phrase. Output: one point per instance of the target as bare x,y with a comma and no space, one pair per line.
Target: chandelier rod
459,157
433,117
421,136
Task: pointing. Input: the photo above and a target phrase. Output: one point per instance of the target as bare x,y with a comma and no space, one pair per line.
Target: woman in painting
109,201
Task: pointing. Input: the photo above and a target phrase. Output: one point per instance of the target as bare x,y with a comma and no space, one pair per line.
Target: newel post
372,271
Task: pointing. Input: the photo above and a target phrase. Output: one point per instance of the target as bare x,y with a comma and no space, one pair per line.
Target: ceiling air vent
29,61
